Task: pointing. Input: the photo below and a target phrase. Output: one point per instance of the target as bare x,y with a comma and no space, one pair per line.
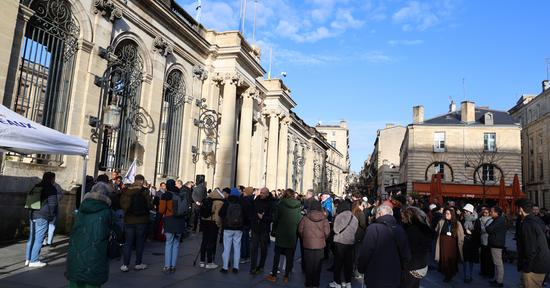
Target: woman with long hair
357,209
420,235
487,268
448,249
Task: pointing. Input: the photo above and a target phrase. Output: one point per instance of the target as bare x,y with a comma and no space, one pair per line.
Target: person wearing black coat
497,242
533,252
260,226
384,251
420,236
39,220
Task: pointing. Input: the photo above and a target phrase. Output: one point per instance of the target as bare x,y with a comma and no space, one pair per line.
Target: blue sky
371,61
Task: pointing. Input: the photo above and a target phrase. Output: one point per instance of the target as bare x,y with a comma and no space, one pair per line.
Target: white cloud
376,57
344,20
216,15
416,15
405,42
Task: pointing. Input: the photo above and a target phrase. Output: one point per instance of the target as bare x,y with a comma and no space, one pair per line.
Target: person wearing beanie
87,261
314,229
533,252
232,215
174,224
471,244
345,227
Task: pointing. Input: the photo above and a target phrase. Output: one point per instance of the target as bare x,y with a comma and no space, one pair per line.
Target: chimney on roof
452,107
468,112
418,114
545,85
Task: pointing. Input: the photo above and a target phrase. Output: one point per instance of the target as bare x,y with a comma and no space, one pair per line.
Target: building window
490,142
171,126
488,171
541,170
333,143
532,171
439,142
440,168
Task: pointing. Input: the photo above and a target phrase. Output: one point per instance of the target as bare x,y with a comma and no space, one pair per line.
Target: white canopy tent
21,135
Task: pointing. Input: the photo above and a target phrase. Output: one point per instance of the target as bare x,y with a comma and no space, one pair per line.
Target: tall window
120,145
171,125
488,171
490,142
541,169
47,63
439,168
439,142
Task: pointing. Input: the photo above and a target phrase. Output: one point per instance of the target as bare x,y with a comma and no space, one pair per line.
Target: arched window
171,126
440,167
47,63
120,145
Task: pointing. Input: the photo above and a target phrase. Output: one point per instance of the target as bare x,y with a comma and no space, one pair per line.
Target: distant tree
486,168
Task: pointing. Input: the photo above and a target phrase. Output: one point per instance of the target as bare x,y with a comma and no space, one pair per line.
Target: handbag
419,273
114,247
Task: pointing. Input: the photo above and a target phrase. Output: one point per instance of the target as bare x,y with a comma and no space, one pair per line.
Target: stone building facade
471,146
339,163
533,112
141,80
383,165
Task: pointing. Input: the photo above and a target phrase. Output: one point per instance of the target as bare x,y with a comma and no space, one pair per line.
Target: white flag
131,174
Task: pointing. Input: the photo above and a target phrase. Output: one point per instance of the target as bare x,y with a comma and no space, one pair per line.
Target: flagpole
244,16
254,27
270,62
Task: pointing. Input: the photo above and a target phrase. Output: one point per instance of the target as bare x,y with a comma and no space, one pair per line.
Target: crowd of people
387,243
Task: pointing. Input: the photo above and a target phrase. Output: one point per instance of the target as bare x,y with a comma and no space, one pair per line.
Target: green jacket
87,260
285,222
126,204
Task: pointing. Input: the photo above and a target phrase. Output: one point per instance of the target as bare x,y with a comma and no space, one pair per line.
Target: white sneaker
140,267
346,285
334,285
27,262
37,264
124,268
211,266
201,264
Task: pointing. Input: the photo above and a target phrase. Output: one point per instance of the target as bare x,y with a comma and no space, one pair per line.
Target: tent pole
83,188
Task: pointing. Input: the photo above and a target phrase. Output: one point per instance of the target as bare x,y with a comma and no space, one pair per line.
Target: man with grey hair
385,251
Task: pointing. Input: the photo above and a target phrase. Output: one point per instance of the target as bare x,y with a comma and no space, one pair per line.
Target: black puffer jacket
420,241
534,256
497,233
264,206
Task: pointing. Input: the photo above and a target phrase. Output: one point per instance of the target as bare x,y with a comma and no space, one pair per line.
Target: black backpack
139,206
206,208
234,216
179,205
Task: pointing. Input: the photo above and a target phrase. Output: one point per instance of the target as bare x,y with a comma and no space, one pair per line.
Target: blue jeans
36,236
245,243
468,268
51,230
134,233
171,249
231,238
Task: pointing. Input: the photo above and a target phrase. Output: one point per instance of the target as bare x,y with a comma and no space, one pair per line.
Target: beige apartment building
382,170
472,148
533,112
142,80
339,164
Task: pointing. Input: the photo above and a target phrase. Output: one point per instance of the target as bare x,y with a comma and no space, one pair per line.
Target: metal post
83,188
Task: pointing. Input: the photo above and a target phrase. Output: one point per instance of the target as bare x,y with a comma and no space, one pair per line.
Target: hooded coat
87,260
285,222
314,230
126,204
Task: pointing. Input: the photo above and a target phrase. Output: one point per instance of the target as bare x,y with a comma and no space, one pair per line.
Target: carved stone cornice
200,73
108,9
286,121
217,79
233,79
161,46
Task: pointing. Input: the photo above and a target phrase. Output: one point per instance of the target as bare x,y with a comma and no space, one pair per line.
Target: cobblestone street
14,274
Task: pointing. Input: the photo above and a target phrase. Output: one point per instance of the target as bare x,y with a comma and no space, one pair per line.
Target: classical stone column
290,162
283,154
245,138
272,151
226,148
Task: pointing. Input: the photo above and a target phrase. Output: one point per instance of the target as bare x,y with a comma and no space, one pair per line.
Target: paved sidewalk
14,274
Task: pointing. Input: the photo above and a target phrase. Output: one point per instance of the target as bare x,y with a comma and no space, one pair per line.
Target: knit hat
235,192
432,206
469,207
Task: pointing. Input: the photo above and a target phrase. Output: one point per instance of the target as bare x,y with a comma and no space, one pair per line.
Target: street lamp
111,116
